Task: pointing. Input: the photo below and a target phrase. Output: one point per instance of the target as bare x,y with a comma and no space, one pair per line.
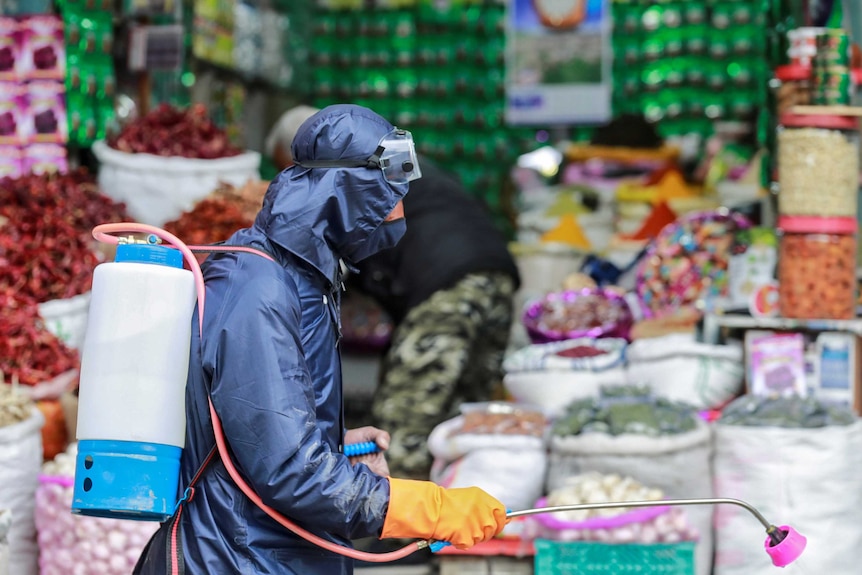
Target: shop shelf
712,323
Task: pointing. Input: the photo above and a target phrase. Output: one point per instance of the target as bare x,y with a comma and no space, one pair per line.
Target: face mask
384,237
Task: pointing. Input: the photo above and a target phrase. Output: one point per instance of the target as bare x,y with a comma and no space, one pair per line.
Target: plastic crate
580,558
485,566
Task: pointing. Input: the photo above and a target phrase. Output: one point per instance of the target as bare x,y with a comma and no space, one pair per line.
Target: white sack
67,318
509,467
5,525
158,189
554,390
679,368
680,465
20,463
806,478
537,376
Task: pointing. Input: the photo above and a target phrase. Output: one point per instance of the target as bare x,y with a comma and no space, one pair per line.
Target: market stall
687,323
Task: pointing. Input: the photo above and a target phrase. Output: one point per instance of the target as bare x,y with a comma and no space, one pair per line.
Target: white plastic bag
5,525
20,462
802,477
158,189
67,318
680,465
509,467
537,376
678,367
52,388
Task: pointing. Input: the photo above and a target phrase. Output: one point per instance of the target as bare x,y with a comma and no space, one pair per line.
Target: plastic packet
11,165
14,126
43,52
47,112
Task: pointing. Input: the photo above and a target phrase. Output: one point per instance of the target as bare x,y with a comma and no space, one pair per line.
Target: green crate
581,558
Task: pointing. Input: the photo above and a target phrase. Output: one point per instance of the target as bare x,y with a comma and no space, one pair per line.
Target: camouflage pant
447,351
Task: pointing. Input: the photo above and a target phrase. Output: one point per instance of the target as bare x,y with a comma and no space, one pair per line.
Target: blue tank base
126,480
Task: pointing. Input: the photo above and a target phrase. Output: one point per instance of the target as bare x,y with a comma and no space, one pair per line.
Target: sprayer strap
221,248
207,460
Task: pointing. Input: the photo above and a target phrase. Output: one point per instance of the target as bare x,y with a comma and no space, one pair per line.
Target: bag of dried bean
633,433
797,460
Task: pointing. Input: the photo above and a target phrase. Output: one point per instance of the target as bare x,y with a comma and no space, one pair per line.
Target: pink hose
104,233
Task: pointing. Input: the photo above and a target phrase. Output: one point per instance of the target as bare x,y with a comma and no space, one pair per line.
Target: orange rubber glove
462,516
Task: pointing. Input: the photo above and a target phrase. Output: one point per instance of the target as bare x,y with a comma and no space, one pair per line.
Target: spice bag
67,318
807,478
679,465
89,545
679,368
511,467
20,461
158,189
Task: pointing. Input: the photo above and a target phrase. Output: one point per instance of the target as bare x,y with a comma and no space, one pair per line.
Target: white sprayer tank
131,410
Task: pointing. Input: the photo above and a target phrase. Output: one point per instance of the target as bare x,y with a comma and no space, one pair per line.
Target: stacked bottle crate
435,68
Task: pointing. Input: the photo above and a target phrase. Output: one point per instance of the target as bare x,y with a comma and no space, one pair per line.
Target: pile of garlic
76,545
670,526
594,487
15,407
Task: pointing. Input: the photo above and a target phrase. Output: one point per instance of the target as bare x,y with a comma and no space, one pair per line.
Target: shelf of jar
713,323
827,110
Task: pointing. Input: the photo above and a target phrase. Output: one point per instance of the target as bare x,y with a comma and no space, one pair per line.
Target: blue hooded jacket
269,357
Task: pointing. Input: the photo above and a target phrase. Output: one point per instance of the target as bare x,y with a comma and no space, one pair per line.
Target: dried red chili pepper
28,350
168,131
38,273
212,220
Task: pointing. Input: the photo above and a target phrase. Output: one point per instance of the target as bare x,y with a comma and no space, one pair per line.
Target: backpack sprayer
131,412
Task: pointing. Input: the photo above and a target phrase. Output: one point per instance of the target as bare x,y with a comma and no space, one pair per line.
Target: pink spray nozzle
784,545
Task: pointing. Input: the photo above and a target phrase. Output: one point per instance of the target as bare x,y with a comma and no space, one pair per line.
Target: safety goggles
395,156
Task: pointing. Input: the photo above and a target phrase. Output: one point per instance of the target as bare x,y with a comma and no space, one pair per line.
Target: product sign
559,61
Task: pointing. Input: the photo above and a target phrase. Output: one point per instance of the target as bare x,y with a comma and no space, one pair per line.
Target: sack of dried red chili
44,257
211,220
41,363
163,162
73,198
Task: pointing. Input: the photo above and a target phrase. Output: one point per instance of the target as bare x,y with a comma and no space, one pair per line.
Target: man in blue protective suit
270,361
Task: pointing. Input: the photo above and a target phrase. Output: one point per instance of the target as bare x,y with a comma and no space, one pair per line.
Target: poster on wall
558,62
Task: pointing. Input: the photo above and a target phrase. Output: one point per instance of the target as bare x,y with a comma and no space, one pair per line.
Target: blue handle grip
364,448
438,545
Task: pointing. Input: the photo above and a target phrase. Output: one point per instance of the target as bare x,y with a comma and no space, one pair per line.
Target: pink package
47,112
45,158
10,49
14,126
43,52
11,162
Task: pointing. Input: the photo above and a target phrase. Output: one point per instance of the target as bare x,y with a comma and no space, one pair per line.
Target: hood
321,214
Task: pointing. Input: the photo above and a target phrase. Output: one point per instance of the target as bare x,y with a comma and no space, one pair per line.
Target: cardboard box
838,369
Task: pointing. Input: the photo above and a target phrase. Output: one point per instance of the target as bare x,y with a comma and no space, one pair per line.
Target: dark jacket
269,358
449,235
